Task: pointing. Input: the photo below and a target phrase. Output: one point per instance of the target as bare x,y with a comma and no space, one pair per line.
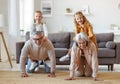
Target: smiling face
38,17
79,19
38,39
82,44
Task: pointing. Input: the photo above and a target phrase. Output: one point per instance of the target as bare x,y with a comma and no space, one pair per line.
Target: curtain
13,25
26,14
14,21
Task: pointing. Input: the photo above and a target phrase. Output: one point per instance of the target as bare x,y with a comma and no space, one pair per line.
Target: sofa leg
110,67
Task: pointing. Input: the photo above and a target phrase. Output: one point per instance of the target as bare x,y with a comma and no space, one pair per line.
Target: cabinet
117,37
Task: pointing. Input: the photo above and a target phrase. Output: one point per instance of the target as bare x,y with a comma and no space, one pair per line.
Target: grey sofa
108,50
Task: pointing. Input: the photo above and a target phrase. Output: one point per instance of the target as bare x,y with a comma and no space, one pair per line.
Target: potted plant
68,10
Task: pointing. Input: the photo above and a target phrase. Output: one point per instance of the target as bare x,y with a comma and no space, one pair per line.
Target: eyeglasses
37,32
38,39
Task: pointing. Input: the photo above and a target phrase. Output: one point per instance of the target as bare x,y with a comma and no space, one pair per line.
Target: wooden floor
4,65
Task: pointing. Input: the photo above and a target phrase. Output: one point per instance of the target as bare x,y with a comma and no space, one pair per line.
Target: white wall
4,10
103,13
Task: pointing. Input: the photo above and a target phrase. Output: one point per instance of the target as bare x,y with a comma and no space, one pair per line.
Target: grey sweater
34,52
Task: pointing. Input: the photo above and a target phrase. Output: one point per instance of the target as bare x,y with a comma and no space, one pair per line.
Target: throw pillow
110,44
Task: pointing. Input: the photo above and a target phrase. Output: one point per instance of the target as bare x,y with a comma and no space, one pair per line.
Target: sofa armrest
19,46
117,52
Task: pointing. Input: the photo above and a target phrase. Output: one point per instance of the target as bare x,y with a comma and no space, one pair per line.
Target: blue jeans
46,67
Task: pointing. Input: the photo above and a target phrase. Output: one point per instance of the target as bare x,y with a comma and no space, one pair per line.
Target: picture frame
46,8
85,9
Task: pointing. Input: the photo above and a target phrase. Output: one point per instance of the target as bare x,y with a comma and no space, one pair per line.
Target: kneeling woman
84,61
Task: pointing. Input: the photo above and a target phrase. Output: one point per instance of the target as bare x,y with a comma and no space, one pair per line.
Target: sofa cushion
110,44
103,38
101,44
27,35
106,52
60,40
59,52
72,35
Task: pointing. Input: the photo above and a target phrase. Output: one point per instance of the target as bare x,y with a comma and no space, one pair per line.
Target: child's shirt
39,27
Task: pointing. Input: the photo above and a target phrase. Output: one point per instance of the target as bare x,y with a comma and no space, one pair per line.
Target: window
26,14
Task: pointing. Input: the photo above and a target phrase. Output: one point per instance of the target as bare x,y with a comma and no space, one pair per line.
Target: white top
39,27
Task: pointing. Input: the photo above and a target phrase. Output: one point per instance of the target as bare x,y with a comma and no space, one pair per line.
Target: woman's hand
70,78
52,75
24,75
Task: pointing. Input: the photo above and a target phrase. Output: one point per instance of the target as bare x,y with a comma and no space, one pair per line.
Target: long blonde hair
81,15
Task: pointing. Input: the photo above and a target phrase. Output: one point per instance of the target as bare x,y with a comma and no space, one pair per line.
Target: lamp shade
119,6
1,20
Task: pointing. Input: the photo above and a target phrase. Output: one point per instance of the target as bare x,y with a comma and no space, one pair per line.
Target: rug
13,77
